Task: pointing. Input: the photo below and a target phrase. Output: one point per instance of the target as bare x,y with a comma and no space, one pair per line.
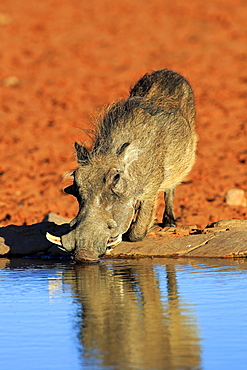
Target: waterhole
124,314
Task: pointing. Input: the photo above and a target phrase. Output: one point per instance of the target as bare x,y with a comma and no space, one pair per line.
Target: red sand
71,57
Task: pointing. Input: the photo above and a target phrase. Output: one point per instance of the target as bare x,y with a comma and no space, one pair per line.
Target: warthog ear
122,148
129,153
82,154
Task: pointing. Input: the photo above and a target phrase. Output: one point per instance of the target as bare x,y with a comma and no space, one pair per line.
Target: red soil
71,57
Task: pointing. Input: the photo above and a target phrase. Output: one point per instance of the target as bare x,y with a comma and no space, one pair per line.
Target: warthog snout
71,244
90,247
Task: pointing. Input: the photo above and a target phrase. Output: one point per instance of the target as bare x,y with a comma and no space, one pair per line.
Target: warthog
142,145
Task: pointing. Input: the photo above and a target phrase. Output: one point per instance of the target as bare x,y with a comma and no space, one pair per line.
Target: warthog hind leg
169,218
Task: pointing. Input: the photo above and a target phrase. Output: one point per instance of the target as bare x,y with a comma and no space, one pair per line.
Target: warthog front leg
169,218
144,220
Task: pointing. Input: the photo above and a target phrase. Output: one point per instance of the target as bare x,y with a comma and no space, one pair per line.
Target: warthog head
103,186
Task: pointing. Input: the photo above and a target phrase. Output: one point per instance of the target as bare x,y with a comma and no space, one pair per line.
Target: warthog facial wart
142,145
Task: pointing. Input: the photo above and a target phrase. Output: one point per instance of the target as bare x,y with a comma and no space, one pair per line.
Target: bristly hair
115,114
162,80
89,132
157,93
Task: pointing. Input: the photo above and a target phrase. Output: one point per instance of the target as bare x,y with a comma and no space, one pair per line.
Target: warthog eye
114,185
111,179
115,179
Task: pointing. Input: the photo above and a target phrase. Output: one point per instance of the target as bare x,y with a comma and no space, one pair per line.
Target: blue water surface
37,322
125,314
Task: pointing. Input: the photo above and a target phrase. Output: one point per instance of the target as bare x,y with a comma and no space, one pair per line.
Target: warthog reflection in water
124,321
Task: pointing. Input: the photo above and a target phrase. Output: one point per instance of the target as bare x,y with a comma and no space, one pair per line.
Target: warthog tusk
114,242
54,239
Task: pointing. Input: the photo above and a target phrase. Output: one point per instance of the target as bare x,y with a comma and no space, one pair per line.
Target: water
124,314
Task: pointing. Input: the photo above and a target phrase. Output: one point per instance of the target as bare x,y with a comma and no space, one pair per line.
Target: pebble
236,197
11,81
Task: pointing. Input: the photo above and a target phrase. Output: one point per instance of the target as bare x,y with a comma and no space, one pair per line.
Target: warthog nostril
111,224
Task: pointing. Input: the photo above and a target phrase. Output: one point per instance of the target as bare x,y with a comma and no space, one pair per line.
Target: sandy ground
62,61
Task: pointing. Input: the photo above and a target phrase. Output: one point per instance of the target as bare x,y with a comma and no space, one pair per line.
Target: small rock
59,220
226,225
11,81
4,249
236,197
